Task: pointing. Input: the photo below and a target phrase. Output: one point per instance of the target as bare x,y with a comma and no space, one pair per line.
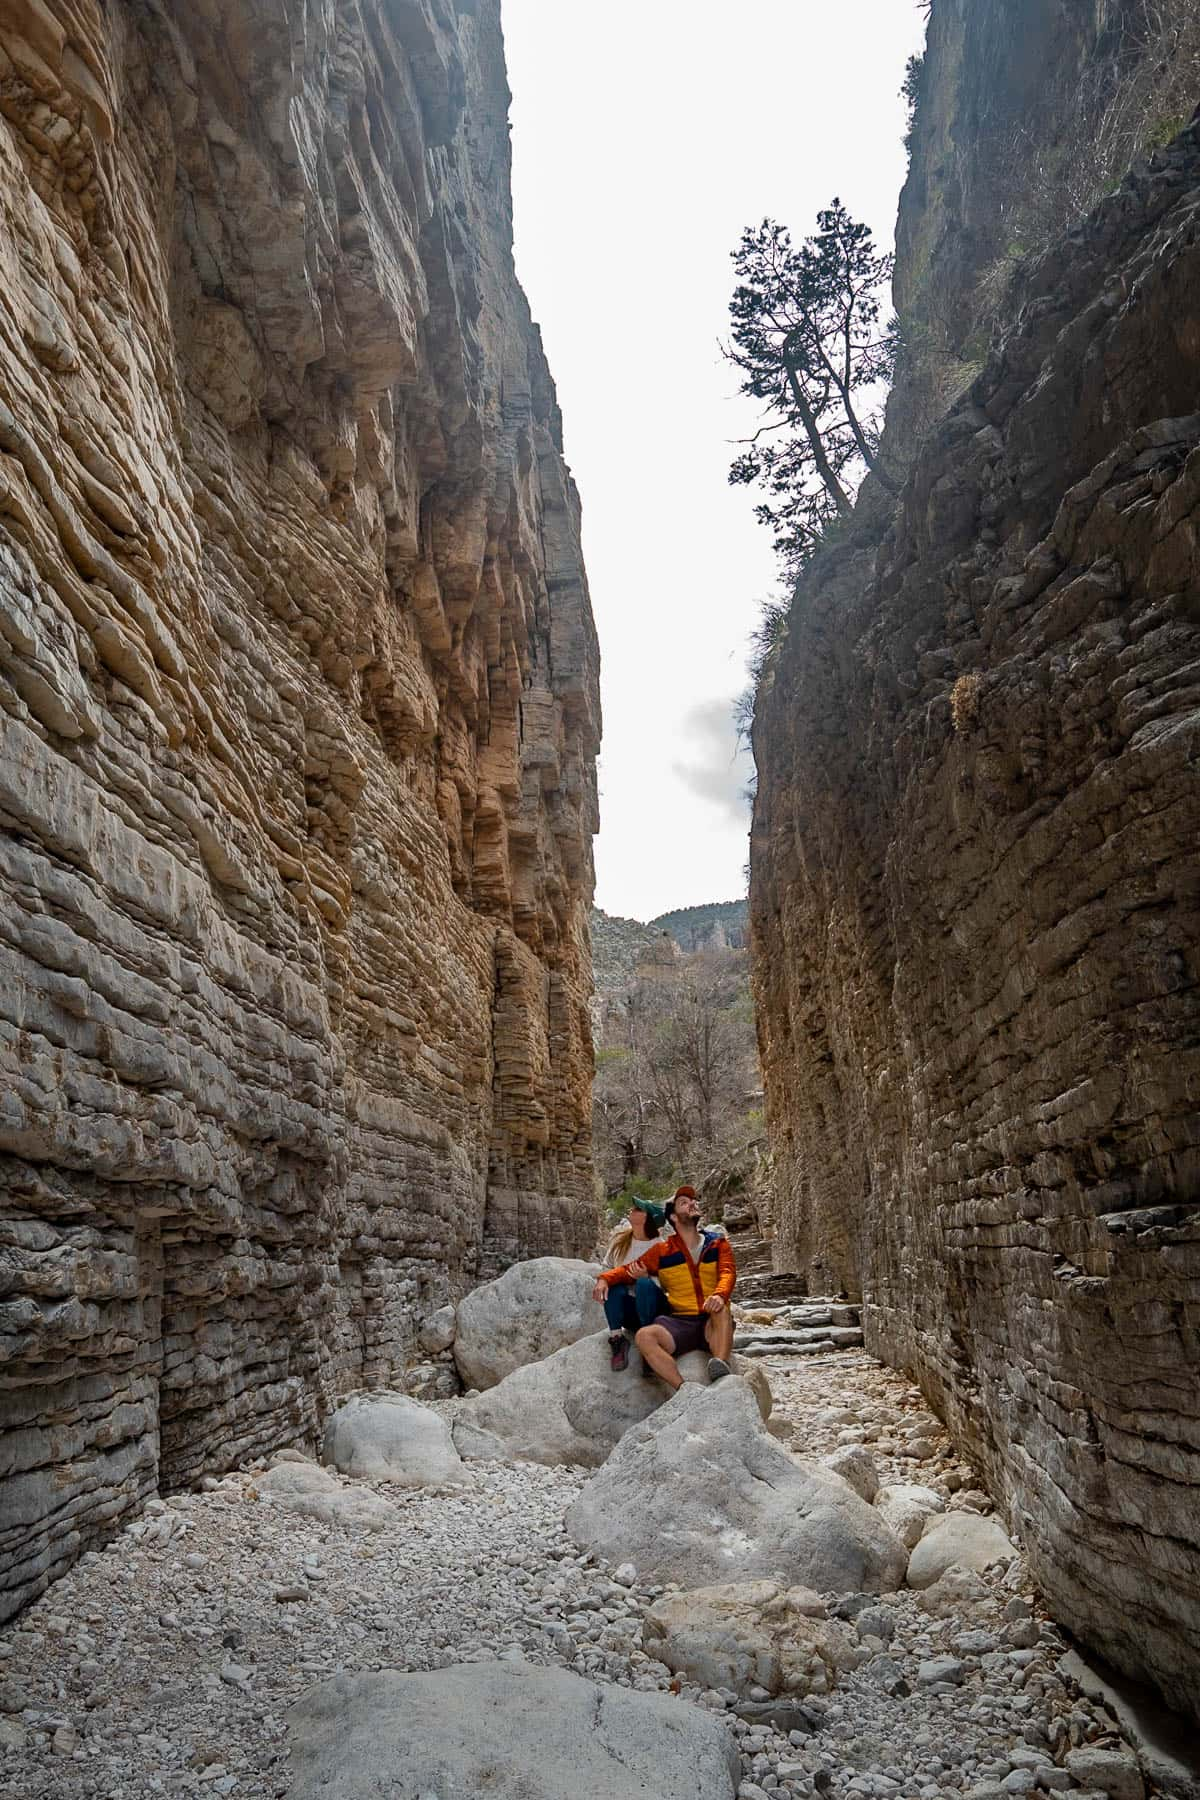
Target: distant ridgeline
618,945
720,925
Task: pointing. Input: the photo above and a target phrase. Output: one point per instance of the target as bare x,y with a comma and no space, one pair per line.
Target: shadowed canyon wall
298,720
974,880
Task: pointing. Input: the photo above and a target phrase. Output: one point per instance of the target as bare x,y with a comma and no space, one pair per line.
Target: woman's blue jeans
630,1304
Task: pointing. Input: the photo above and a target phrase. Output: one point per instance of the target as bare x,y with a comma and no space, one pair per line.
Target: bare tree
675,1069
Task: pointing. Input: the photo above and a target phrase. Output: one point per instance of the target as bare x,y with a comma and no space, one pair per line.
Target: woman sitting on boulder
697,1272
628,1307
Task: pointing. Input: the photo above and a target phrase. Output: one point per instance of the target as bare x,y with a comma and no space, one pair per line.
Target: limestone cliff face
298,718
974,917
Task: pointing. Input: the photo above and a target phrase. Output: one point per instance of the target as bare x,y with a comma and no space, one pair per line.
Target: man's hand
600,1291
714,1304
637,1269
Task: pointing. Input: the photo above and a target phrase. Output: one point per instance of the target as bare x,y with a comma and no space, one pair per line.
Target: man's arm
727,1269
649,1261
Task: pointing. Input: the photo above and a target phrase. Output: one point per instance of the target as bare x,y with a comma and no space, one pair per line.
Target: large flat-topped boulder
533,1309
702,1495
509,1731
573,1408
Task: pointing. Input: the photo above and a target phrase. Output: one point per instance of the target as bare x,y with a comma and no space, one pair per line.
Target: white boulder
530,1311
908,1509
572,1408
701,1494
474,1444
387,1437
855,1464
957,1537
1103,1770
956,1594
508,1730
301,1487
437,1332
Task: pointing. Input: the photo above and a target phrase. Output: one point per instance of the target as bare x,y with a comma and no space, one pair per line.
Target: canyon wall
298,720
974,899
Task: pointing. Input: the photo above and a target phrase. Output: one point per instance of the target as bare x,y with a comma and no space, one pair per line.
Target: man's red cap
685,1193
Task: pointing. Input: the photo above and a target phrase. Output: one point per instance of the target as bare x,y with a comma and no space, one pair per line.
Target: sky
646,134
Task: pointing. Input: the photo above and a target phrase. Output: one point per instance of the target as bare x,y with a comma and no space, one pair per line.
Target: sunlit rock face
974,918
298,719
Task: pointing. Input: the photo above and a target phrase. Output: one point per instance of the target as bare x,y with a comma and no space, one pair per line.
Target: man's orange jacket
686,1284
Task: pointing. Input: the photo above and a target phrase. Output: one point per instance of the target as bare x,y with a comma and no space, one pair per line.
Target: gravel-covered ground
165,1664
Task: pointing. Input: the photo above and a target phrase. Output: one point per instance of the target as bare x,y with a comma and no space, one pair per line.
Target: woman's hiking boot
618,1344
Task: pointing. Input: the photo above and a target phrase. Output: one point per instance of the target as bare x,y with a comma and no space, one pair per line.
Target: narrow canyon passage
323,1080
166,1663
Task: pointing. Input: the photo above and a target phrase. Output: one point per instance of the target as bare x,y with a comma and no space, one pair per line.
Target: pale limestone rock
855,1464
961,1539
1106,1771
907,1508
701,1494
437,1331
508,1730
533,1309
474,1444
304,1488
750,1634
573,1408
953,1595
387,1437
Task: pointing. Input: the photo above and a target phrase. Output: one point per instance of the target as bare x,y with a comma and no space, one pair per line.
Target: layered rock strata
974,915
298,718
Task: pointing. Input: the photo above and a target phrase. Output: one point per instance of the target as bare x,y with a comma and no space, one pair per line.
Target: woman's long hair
618,1244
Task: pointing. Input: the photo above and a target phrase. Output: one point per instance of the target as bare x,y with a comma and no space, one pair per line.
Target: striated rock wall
1027,113
298,719
974,917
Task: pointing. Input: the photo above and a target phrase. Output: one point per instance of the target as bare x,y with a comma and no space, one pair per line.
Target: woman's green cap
653,1212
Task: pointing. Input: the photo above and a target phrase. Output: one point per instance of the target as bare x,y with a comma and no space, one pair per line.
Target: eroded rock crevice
298,721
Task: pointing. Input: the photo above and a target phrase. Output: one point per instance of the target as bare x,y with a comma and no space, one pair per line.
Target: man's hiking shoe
718,1368
620,1353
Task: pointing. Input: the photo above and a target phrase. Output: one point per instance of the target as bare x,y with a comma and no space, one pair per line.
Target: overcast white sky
646,134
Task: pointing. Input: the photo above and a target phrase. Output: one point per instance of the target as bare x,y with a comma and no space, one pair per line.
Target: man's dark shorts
686,1330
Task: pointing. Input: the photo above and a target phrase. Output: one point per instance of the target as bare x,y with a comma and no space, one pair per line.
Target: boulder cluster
431,1608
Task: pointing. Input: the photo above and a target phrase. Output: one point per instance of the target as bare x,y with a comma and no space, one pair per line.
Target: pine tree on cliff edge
809,339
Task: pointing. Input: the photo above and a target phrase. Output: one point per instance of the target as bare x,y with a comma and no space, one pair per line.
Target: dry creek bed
165,1664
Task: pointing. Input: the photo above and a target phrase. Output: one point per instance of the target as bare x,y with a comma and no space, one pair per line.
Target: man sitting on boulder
696,1272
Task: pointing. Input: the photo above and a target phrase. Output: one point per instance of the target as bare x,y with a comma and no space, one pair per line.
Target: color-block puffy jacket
686,1284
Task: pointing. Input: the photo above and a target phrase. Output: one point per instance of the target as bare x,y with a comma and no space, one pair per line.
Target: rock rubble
167,1664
